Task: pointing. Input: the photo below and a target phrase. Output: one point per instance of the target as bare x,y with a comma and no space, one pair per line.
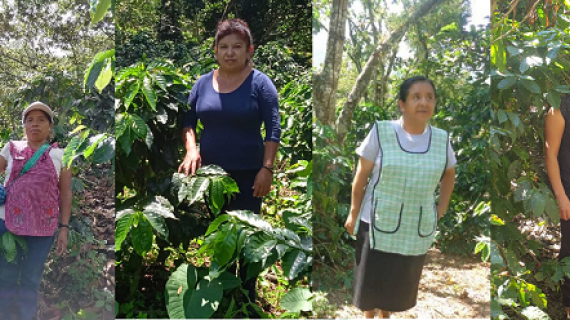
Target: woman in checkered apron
558,167
37,201
394,213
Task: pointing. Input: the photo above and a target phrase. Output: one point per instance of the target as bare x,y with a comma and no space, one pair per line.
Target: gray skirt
383,280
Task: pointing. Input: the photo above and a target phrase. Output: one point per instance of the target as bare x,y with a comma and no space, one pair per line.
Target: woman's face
232,52
420,103
37,126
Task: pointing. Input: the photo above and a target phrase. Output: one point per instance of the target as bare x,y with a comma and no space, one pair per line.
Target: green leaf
142,236
194,189
139,126
531,85
496,221
537,204
104,77
157,222
297,300
94,141
507,83
100,11
258,247
162,207
523,66
131,94
552,210
104,153
149,93
514,51
93,74
534,313
216,195
122,227
205,300
502,116
9,246
216,223
251,219
294,262
179,288
514,169
210,170
225,246
229,281
553,99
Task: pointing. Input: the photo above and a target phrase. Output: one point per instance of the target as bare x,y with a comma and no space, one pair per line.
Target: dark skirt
383,280
244,200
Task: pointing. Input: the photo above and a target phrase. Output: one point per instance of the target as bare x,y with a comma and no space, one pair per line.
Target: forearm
553,170
447,185
356,200
65,199
189,136
270,153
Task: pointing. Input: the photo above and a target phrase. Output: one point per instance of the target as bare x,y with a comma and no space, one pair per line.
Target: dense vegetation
174,246
50,54
529,57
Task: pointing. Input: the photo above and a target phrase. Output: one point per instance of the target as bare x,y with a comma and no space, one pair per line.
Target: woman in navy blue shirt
231,103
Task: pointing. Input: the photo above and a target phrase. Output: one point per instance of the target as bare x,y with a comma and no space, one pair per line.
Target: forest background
173,245
529,72
381,45
58,52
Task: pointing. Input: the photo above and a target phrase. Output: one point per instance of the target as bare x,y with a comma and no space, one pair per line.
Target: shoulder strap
30,163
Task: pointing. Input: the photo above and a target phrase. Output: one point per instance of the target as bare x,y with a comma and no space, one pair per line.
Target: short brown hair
233,26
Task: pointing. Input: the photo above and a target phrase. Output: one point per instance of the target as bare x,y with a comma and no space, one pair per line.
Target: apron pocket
49,216
387,216
17,214
427,221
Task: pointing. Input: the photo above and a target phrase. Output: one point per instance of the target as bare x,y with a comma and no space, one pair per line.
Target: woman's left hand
61,241
262,184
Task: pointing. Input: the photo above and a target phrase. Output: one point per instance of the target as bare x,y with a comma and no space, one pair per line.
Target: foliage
529,57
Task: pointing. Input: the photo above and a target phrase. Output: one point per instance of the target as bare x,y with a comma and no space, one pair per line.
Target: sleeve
190,117
269,106
451,160
5,151
370,148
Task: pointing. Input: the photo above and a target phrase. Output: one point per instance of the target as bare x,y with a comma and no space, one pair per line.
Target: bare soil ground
70,282
452,287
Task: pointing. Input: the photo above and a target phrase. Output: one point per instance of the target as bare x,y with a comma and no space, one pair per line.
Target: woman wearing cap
558,168
395,217
232,102
37,200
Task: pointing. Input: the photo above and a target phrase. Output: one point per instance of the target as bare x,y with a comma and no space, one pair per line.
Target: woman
558,168
35,201
232,102
396,213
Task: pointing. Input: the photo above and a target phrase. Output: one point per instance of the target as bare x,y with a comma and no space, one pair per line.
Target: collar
401,123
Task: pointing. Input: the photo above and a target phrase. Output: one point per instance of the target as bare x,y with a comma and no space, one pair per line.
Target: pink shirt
32,204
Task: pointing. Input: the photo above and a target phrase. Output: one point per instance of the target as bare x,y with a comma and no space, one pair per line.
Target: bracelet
268,168
63,225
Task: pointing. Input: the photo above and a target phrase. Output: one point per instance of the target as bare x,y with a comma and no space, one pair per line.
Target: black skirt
383,280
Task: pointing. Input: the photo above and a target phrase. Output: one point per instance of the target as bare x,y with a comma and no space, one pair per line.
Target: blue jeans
20,280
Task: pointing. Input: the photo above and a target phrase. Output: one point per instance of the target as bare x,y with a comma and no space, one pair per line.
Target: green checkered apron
404,215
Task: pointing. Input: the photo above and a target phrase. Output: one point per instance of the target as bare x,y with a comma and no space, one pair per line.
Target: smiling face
420,103
37,126
232,52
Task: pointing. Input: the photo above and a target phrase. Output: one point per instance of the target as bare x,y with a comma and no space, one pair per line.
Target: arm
554,130
269,106
363,170
447,184
3,164
65,199
192,161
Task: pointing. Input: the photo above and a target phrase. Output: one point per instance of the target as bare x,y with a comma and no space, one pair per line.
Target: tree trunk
325,83
345,118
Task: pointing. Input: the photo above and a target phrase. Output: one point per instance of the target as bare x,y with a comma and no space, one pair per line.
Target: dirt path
452,287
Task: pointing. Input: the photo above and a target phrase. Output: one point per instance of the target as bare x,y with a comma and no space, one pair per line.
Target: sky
479,16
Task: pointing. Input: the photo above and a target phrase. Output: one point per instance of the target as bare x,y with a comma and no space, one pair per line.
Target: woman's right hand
564,207
191,163
349,225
